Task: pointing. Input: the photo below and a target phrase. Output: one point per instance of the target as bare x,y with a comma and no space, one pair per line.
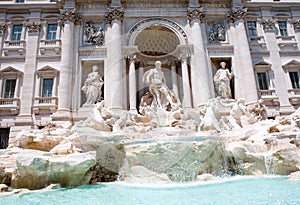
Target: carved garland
195,14
296,24
69,15
268,24
3,28
236,14
33,27
115,13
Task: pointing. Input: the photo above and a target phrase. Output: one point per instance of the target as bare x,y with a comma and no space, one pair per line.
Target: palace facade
48,48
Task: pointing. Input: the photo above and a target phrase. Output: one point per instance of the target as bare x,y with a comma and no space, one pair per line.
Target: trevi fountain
225,152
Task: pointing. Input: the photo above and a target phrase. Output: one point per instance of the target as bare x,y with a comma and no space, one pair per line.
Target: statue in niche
92,86
222,81
93,36
162,96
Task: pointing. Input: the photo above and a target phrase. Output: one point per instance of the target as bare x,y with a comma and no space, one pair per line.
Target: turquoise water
236,190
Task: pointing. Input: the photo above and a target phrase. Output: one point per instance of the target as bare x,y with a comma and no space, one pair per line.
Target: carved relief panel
93,34
216,31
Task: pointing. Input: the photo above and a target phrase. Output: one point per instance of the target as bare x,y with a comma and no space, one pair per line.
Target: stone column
132,83
27,94
243,69
200,77
113,71
279,74
3,28
174,79
186,101
68,19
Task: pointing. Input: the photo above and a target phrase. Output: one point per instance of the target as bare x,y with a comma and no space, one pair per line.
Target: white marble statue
238,110
162,96
92,87
222,81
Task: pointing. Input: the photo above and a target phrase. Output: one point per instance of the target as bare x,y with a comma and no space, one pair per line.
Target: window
52,0
262,81
19,1
47,87
16,33
51,33
9,89
294,76
252,28
282,28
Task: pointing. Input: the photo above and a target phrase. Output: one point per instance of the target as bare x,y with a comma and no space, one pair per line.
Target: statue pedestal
84,112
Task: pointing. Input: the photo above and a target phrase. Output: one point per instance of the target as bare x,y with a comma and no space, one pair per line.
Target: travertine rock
37,169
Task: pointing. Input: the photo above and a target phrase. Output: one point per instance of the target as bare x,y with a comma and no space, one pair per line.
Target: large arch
146,23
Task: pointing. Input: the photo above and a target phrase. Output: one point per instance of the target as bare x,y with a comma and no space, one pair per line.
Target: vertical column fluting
200,77
113,70
279,74
132,83
243,70
28,90
68,19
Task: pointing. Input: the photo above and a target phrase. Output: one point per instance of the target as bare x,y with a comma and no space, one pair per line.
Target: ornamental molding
69,15
115,13
33,27
195,14
268,24
296,24
137,28
3,28
236,14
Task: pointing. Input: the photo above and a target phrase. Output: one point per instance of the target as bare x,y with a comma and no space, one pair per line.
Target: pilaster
132,83
200,77
69,18
243,68
113,71
279,75
27,94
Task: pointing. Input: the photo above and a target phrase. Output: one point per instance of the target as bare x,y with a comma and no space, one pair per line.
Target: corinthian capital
69,15
3,28
268,24
115,13
195,14
33,27
296,24
236,14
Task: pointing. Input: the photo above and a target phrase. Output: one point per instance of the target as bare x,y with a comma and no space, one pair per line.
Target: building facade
49,47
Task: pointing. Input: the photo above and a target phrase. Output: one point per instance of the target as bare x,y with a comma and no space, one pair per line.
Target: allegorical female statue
222,81
92,87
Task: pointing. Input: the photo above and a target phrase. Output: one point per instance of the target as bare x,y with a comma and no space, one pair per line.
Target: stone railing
14,47
9,106
294,96
287,42
45,104
9,101
45,100
50,47
267,93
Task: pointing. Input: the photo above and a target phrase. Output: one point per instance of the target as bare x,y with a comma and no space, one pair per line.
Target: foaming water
233,190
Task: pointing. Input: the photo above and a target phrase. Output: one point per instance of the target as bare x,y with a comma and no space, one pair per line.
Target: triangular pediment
10,69
47,68
292,63
262,63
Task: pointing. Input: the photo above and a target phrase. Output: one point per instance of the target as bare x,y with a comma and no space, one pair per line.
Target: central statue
161,94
